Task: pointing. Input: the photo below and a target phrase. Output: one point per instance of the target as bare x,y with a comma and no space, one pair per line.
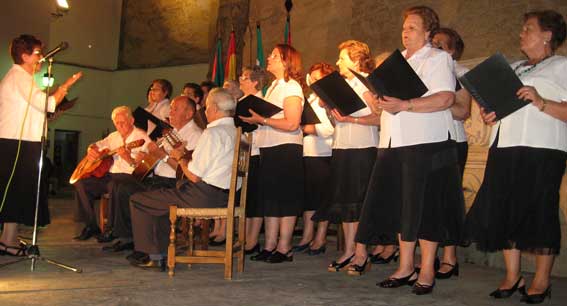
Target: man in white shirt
181,118
209,174
124,161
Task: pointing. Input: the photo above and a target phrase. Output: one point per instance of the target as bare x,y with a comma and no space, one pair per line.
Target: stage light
47,80
62,4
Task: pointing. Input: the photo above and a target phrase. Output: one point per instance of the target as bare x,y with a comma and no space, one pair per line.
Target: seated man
181,118
209,179
124,162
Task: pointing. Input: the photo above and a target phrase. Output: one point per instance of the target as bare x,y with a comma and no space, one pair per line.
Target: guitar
100,166
150,161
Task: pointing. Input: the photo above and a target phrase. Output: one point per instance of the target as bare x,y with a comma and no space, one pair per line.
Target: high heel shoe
255,249
506,293
436,265
379,260
300,247
536,298
398,282
338,266
356,270
444,275
321,250
421,289
262,256
278,257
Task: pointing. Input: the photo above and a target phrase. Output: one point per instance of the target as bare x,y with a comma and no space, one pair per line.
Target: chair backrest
240,162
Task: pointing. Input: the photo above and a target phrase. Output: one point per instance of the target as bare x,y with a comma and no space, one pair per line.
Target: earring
545,42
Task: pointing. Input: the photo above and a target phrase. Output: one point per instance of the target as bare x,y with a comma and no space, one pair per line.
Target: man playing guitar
123,163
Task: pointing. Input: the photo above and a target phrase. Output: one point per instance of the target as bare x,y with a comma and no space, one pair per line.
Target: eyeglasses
243,78
156,89
36,52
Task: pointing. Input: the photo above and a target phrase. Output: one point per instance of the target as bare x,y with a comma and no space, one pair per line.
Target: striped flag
218,73
260,60
287,31
230,73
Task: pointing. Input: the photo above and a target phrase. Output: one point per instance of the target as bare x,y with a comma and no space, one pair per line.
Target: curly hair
550,20
23,44
325,68
455,41
358,51
428,16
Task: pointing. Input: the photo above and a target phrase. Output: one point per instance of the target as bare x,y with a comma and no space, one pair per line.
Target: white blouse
528,126
435,68
14,93
350,135
113,141
461,135
320,144
190,133
278,91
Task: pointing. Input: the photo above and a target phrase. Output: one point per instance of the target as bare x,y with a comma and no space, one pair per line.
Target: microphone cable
19,142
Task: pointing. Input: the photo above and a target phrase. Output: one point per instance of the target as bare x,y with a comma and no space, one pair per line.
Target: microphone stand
33,250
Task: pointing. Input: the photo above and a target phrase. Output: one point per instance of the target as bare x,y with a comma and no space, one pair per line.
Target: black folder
141,117
394,78
335,91
308,116
494,84
258,105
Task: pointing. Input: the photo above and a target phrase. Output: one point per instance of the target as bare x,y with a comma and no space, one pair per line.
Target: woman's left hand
391,105
340,118
531,94
254,119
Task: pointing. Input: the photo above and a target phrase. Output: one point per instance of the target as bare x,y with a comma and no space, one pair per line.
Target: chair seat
208,213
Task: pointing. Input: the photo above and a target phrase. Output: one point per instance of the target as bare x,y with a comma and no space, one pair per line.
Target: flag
260,61
287,31
218,73
230,73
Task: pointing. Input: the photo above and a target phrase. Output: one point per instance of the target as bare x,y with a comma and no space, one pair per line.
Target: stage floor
108,279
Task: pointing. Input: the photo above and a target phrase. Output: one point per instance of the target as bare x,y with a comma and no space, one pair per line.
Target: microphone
62,46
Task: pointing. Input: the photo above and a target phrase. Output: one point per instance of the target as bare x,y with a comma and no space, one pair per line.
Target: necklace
532,67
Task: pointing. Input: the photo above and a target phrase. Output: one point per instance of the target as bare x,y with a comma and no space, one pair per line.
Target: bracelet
356,120
410,106
265,121
543,105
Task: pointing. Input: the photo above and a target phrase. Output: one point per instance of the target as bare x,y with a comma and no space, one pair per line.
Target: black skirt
280,180
462,154
19,206
317,181
253,207
517,205
415,191
350,173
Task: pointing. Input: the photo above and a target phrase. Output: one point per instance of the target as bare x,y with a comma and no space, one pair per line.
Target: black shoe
255,249
537,298
151,264
448,274
379,260
137,256
278,257
398,282
87,233
314,252
339,266
506,293
436,265
118,247
213,242
262,256
106,237
422,289
300,248
356,270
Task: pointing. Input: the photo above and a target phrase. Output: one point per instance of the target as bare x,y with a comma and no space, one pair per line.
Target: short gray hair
121,109
223,100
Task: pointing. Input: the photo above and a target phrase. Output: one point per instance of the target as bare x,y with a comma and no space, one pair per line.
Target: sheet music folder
394,78
258,105
494,84
141,117
335,91
308,116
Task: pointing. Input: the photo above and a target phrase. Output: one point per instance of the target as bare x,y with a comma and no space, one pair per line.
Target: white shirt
528,126
160,110
435,68
461,135
277,93
320,144
14,93
114,141
190,133
352,135
212,158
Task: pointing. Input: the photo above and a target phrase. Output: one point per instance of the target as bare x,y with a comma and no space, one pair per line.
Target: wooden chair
103,210
239,170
